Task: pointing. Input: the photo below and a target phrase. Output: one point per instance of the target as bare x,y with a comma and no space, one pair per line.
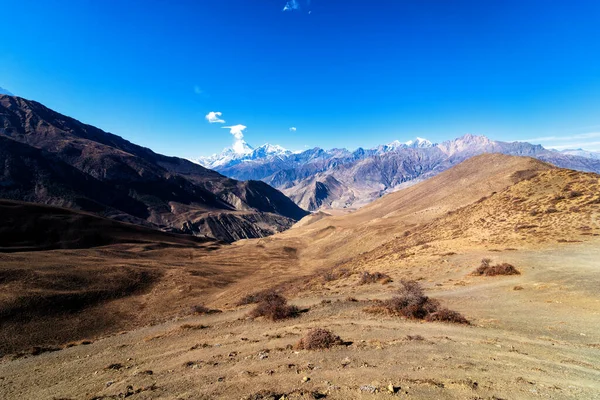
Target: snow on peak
242,151
419,143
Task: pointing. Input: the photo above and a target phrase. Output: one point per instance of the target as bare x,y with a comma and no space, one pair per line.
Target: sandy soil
539,342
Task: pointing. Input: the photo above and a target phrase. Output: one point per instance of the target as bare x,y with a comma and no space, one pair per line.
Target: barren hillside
533,334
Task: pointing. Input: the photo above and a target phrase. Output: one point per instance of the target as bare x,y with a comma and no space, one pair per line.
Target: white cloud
293,129
214,117
291,5
238,133
236,130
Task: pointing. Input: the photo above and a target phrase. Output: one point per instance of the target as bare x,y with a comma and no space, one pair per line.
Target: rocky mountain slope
53,159
338,178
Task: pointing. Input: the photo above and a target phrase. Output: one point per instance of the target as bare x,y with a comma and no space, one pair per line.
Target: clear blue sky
347,74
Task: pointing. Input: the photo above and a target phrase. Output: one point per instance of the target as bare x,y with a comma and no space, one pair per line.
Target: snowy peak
241,152
419,143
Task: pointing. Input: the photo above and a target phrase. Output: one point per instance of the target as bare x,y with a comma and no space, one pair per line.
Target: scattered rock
368,389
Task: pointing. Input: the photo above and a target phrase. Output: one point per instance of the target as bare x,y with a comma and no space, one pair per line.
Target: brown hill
118,179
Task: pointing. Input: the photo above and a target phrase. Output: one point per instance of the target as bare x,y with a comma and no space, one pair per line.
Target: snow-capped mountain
582,153
419,143
242,152
339,178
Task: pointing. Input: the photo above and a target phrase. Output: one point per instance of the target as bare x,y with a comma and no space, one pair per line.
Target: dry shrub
274,307
257,297
318,339
412,303
486,269
446,315
375,277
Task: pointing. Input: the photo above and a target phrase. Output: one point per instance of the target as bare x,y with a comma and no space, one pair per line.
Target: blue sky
343,73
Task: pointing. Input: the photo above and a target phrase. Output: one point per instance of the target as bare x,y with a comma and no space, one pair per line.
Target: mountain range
339,178
53,159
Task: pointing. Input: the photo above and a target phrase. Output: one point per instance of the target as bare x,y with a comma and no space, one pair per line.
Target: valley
530,335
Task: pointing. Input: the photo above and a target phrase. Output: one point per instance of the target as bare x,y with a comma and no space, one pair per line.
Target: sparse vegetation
486,269
446,315
367,278
257,297
274,306
318,339
412,303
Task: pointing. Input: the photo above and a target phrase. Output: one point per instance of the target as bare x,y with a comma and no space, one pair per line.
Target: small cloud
214,117
291,5
293,129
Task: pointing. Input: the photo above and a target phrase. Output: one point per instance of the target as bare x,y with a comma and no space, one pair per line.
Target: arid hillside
532,333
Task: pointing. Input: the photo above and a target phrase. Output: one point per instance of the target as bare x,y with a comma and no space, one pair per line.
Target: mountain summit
340,178
241,152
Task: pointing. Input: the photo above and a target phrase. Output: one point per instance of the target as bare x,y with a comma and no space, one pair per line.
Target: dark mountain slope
28,227
173,193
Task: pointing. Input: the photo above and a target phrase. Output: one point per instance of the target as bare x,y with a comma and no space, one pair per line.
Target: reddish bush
273,306
318,339
257,297
446,315
412,303
486,269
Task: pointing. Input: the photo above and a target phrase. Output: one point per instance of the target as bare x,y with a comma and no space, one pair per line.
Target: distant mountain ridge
52,159
339,178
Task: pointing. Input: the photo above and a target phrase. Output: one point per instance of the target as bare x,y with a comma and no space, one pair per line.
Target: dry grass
318,339
412,303
486,269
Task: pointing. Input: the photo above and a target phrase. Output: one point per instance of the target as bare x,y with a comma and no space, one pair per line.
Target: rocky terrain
530,335
53,159
339,178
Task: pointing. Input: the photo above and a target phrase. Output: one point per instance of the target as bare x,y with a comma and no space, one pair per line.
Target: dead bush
446,315
274,306
318,339
367,278
412,303
257,297
486,269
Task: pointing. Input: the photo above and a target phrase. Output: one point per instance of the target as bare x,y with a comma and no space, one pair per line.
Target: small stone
305,379
392,389
368,389
109,383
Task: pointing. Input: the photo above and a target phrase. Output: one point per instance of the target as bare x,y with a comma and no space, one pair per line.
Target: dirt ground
539,342
533,335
